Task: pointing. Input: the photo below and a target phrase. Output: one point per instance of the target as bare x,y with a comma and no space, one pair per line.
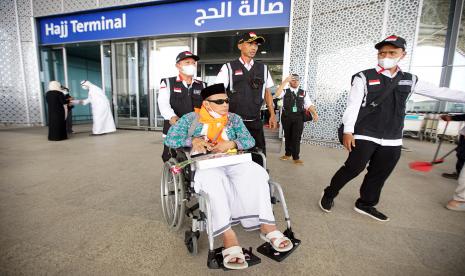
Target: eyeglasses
219,101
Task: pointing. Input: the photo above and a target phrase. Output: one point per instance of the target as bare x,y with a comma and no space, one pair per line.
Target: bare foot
230,239
267,228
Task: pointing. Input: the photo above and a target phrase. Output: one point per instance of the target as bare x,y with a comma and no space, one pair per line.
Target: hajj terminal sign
164,19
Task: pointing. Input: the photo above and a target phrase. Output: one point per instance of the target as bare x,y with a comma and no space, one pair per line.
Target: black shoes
453,175
326,203
370,211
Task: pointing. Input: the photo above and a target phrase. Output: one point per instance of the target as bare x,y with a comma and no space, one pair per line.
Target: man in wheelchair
238,193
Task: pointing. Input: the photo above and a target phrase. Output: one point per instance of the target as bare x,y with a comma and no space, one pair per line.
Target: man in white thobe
101,112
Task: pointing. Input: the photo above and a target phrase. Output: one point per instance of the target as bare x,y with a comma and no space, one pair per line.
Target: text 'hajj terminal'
62,29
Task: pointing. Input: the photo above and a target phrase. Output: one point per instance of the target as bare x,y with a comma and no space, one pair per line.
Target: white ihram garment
101,112
238,194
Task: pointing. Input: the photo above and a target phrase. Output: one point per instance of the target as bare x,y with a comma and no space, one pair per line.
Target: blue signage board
165,19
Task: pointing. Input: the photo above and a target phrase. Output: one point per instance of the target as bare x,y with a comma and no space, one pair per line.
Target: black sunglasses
219,101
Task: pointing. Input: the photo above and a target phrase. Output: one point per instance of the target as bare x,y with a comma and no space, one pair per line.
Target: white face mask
214,114
388,63
85,87
189,69
65,92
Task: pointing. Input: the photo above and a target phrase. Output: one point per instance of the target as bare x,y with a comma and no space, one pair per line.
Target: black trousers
460,154
382,161
256,130
293,125
69,122
166,155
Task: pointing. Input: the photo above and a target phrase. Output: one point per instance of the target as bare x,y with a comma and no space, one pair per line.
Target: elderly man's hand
200,145
223,146
273,123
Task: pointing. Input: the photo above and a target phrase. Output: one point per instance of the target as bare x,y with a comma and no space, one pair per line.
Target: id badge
294,109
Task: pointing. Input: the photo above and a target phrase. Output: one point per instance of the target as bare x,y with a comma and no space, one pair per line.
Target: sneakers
326,203
453,175
285,157
371,212
298,162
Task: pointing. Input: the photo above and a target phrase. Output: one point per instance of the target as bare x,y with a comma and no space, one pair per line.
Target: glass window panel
432,33
459,57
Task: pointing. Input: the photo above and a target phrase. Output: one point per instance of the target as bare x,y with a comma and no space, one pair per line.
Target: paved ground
90,206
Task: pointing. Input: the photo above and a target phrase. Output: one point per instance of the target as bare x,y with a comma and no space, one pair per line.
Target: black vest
386,121
247,93
290,99
183,100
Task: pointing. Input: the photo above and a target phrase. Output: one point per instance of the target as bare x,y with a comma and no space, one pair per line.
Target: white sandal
234,252
279,239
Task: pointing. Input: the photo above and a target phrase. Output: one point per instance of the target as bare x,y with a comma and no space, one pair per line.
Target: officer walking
248,83
180,94
296,102
373,125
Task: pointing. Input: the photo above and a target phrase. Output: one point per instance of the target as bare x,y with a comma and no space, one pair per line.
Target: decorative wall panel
47,7
12,107
73,5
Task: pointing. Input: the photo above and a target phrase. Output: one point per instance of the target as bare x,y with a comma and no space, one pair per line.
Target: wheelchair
179,200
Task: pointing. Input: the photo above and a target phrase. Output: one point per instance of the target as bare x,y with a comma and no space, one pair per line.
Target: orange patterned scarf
215,125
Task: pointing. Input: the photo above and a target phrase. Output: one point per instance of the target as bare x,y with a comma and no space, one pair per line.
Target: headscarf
54,86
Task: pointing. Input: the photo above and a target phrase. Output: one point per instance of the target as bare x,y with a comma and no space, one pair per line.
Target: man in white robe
101,112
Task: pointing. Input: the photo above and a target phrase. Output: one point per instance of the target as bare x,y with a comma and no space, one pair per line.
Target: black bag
307,116
373,105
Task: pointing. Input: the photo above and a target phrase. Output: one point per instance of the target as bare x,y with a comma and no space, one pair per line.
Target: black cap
394,40
251,36
212,90
186,54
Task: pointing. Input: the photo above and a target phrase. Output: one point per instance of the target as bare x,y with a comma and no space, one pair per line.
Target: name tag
406,82
238,72
177,90
197,92
374,82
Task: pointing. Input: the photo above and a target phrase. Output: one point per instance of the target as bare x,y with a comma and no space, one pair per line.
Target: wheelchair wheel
191,240
172,196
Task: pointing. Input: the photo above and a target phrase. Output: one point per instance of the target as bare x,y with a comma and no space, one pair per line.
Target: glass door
125,84
162,56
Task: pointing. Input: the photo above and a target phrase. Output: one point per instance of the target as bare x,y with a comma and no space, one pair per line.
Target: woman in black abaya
56,112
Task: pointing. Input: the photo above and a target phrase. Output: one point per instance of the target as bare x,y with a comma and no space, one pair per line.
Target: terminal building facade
126,47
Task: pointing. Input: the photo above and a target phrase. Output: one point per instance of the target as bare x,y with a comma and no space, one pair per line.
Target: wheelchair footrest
268,250
215,258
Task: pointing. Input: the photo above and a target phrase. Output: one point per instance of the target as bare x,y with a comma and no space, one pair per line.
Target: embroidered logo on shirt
197,92
373,82
177,89
238,72
406,82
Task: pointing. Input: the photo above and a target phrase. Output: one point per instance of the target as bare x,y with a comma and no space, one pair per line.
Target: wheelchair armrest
258,152
181,154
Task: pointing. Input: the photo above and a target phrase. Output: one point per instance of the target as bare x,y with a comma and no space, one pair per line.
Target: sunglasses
219,101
